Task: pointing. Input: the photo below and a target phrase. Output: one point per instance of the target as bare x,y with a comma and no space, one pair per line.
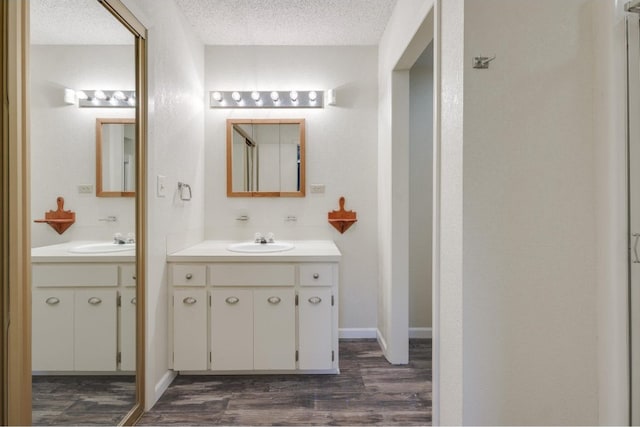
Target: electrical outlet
317,188
85,189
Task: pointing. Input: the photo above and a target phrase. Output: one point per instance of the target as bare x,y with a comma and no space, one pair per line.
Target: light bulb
98,94
236,96
217,96
255,96
118,95
293,95
275,96
313,96
80,94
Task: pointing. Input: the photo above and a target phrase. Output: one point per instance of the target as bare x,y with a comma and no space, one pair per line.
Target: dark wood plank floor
81,400
368,391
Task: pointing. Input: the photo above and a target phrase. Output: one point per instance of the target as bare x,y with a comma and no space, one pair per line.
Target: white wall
63,139
340,153
176,150
516,322
420,190
529,292
611,213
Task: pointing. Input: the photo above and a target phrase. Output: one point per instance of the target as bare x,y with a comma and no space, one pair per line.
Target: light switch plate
161,186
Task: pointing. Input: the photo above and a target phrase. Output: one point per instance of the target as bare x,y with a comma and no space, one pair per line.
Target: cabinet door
274,329
95,328
231,329
52,330
128,330
189,330
315,328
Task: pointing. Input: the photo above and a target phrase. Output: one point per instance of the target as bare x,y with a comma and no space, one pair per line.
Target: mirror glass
265,158
83,337
115,157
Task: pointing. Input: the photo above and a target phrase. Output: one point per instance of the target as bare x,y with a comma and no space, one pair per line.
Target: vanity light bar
104,98
266,99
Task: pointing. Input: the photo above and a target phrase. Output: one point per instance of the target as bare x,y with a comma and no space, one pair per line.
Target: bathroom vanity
254,312
83,308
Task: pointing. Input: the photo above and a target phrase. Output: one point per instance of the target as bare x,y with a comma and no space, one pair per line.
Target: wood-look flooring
368,391
59,400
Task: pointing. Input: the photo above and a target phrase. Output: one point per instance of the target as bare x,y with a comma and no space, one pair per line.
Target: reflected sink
252,247
101,248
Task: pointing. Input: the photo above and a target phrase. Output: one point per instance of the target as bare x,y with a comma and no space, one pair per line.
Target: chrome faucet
118,240
259,238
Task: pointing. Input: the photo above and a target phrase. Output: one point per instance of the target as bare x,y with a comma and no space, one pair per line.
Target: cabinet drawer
44,275
316,274
256,274
188,275
128,274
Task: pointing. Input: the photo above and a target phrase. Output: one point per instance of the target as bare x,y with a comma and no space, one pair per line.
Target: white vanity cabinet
76,322
190,329
264,313
52,329
253,329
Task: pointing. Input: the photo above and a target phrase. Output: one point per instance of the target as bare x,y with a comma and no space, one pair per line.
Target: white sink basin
101,248
251,247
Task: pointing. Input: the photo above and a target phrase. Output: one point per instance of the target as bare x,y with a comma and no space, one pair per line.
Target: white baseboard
381,341
420,333
162,386
357,333
373,333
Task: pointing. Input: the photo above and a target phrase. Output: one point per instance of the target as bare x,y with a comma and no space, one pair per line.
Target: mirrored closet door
83,72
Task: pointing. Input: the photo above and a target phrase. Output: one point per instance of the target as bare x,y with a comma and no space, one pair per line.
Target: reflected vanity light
101,98
267,99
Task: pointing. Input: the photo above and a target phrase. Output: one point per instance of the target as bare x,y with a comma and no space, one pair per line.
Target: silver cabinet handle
94,300
635,248
274,300
188,276
134,300
316,275
189,300
52,300
232,300
315,300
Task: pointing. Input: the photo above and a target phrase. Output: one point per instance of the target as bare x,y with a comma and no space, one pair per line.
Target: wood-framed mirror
115,157
265,157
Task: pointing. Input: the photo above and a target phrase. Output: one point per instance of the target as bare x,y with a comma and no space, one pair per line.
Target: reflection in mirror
265,158
115,157
83,305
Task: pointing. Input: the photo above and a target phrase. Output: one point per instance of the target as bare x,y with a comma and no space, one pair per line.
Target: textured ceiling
75,22
224,22
288,22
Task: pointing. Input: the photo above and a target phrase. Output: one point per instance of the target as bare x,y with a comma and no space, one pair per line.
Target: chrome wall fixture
267,99
99,98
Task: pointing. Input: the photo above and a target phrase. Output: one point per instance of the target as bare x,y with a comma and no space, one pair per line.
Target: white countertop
60,253
216,251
